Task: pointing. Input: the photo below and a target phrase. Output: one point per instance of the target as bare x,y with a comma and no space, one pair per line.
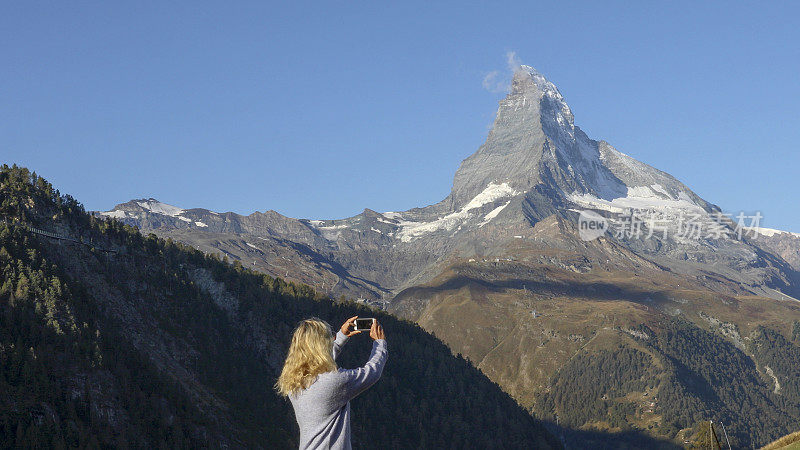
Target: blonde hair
310,354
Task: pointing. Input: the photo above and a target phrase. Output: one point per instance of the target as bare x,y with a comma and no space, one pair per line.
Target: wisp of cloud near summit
499,82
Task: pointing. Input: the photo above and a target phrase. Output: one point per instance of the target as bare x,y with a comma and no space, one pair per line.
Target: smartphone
364,324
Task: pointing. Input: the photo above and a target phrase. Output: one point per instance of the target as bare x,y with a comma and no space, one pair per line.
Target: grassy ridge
788,442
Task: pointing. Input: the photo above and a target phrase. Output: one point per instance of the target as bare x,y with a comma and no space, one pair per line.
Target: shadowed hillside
117,339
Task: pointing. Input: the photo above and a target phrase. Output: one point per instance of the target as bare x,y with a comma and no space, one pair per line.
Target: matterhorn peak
529,84
525,76
533,121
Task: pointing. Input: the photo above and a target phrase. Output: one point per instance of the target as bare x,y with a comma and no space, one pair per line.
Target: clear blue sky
319,110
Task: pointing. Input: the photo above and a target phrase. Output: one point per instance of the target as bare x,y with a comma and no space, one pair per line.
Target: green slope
788,442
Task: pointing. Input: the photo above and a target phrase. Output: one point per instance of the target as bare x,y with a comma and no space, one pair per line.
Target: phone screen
363,324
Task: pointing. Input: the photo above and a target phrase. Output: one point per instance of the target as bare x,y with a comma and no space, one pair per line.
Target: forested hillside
695,376
121,340
617,359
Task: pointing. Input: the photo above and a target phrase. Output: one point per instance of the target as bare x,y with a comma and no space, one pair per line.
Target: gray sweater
323,409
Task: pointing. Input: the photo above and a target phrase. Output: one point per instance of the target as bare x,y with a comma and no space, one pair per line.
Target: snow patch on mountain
493,192
201,224
157,207
769,232
334,227
653,197
116,214
493,213
330,232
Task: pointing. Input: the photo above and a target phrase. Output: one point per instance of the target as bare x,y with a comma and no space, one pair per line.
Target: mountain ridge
535,163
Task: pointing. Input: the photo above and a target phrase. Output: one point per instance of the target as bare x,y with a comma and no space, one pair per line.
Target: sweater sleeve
358,380
338,343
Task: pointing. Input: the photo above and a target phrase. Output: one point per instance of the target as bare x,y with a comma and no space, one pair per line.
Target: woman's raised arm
358,380
344,333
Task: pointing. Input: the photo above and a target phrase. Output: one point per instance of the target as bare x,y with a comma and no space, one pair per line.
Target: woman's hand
376,332
347,325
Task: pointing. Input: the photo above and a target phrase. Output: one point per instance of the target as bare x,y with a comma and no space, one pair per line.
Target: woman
319,391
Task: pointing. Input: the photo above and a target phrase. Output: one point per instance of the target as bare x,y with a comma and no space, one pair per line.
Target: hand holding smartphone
376,332
364,324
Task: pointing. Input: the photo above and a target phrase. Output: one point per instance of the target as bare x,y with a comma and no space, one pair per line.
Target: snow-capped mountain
555,259
137,209
535,165
783,243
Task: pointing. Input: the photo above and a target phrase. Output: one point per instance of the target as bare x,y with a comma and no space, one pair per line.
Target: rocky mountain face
534,164
782,243
553,248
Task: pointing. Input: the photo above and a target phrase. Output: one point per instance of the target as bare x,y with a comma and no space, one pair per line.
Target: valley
501,272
